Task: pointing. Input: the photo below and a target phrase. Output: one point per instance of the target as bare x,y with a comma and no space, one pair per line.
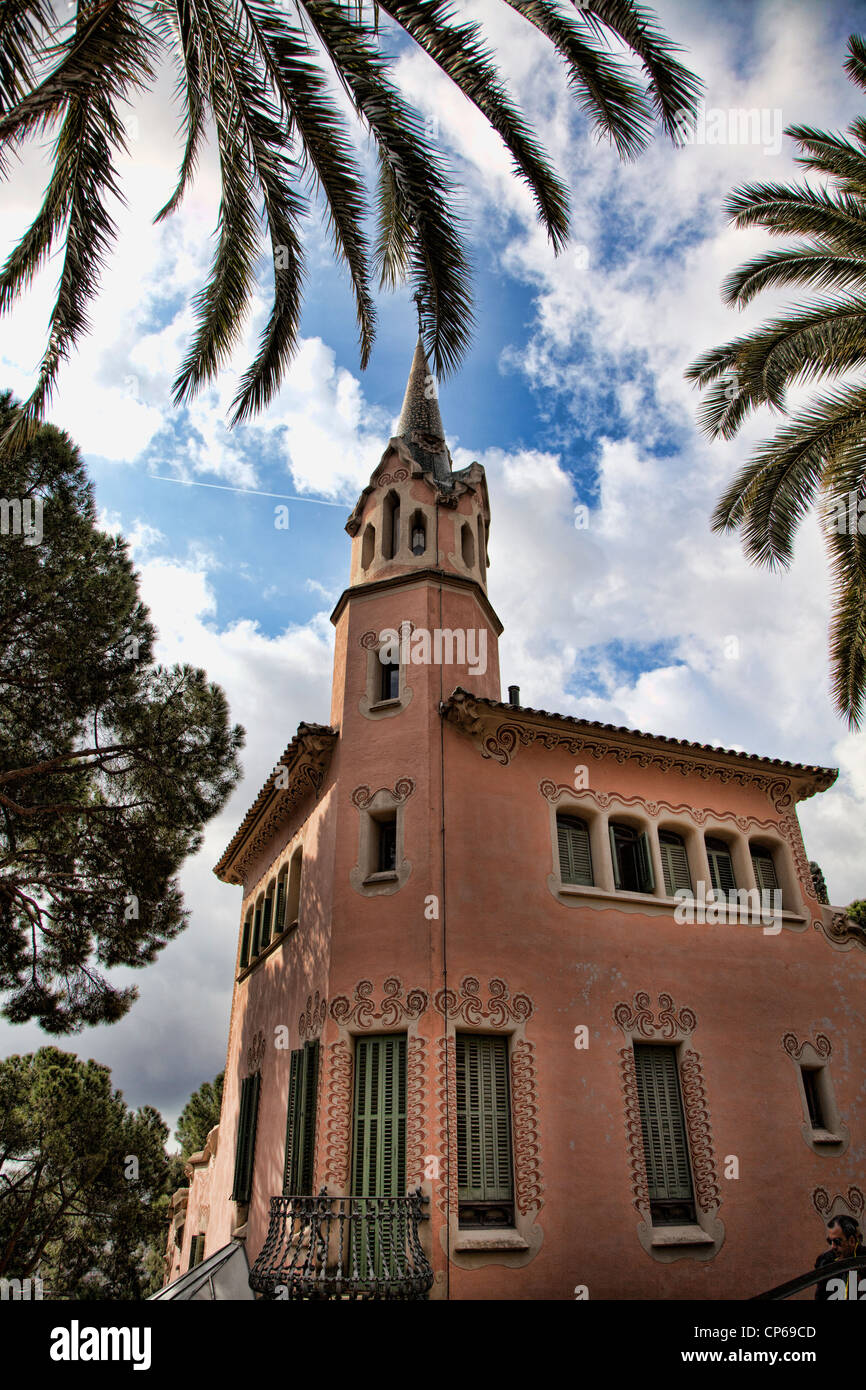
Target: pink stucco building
569,984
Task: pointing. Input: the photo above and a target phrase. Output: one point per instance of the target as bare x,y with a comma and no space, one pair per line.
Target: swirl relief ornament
528,1181
361,1011
668,1023
501,1008
794,1047
339,1114
312,1018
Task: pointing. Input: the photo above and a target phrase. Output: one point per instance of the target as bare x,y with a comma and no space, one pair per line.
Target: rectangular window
484,1157
675,862
379,1141
812,1088
632,859
301,1121
196,1251
664,1135
721,866
390,687
266,922
765,869
257,932
245,941
386,857
246,1140
575,858
280,914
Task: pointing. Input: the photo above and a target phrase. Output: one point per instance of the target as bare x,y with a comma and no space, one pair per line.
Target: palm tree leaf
25,26
674,88
300,85
606,91
114,51
420,194
846,543
855,63
459,52
175,20
837,218
251,141
831,154
802,264
771,494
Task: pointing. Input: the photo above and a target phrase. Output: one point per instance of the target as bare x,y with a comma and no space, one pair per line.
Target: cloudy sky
573,396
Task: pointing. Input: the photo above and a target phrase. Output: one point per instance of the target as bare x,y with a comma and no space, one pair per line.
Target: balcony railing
344,1247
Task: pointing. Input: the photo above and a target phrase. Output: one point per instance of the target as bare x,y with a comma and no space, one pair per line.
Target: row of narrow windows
275,912
417,536
632,862
485,1159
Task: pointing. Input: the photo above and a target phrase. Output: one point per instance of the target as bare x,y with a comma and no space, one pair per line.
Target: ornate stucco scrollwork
403,789
338,1088
362,1013
467,1005
794,1047
256,1052
638,1017
312,1017
824,1203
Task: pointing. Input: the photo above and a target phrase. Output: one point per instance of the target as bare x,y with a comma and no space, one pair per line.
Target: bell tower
418,569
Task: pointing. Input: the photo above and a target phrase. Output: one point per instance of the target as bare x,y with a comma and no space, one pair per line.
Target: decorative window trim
833,1141
371,704
851,1204
640,1022
367,881
504,1013
692,823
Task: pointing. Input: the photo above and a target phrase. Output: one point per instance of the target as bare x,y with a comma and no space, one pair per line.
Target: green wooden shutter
765,869
280,915
721,866
306,1147
246,1140
664,1128
614,854
675,863
484,1163
257,932
290,1170
575,858
379,1147
646,876
245,942
266,923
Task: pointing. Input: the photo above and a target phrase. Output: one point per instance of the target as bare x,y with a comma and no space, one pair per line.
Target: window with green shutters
245,941
675,862
257,932
765,868
280,913
632,859
721,865
301,1121
266,922
246,1141
484,1157
575,858
196,1251
379,1141
665,1140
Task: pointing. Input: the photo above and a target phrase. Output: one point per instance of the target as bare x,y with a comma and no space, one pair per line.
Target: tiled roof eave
305,761
467,710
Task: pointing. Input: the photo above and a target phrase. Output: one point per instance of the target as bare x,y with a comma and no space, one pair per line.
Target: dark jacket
829,1257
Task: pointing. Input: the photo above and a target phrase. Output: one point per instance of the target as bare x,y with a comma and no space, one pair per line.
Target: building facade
571,985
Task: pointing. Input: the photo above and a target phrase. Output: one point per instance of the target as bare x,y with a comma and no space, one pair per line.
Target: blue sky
572,394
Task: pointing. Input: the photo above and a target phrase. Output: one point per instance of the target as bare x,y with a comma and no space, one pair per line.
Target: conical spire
420,423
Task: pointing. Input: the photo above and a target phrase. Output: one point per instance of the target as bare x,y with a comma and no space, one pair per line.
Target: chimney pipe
514,694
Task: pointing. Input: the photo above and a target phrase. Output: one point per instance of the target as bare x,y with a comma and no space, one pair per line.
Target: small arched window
418,534
267,911
765,868
575,857
368,546
245,939
280,911
391,526
722,875
675,862
257,931
468,546
293,905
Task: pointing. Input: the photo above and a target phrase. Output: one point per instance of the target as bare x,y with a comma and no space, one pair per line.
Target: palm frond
107,57
605,90
855,63
420,194
771,494
289,63
174,20
674,89
25,28
460,53
797,265
846,545
831,154
837,218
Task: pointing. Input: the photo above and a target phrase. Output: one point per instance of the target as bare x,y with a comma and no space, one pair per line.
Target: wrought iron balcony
344,1247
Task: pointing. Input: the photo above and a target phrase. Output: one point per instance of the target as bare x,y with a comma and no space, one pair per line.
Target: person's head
843,1235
